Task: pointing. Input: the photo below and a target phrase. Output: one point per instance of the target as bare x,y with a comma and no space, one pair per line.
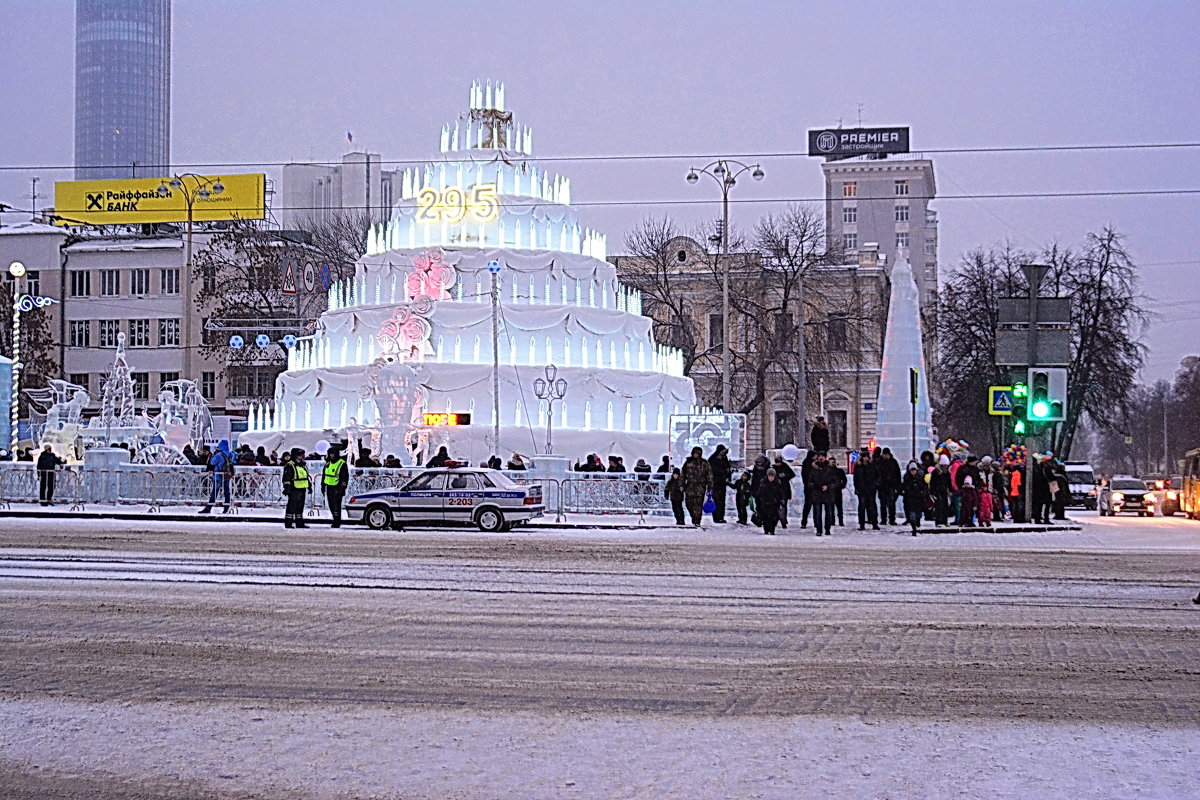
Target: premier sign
836,143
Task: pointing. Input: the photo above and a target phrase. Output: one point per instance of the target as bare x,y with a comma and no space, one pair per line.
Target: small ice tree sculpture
116,405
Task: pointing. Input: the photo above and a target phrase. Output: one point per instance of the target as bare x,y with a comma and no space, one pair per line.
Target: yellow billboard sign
131,201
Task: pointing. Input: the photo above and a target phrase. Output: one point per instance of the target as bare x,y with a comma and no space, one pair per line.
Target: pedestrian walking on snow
697,478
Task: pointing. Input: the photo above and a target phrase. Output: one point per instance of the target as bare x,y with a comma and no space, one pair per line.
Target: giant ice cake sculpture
481,240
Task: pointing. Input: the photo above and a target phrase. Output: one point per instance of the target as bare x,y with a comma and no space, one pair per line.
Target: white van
1082,481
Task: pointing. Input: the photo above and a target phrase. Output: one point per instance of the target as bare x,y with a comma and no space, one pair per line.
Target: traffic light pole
1034,273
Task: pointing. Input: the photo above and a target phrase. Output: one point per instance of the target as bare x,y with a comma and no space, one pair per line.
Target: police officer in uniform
334,483
295,485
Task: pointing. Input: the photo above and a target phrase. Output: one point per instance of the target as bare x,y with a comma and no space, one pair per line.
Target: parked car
1125,493
458,495
1081,480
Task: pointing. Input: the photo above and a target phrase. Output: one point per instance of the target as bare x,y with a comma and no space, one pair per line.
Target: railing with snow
158,487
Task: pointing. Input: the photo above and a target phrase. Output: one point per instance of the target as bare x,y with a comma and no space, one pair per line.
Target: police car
483,497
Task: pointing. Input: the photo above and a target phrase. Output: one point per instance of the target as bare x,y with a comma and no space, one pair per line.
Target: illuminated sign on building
135,201
440,420
480,203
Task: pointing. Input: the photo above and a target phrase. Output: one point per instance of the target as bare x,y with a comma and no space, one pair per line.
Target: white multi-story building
885,201
315,192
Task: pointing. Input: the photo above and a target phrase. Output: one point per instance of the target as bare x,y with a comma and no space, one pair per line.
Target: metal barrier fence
158,487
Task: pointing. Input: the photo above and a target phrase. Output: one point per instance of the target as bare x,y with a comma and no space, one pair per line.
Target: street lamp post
21,303
193,187
551,389
494,268
725,172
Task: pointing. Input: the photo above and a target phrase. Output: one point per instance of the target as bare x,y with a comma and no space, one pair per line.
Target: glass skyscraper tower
122,88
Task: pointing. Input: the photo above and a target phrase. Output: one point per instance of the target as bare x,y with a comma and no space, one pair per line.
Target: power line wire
759,200
1065,148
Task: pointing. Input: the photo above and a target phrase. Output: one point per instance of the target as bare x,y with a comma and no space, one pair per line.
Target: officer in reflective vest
334,483
295,485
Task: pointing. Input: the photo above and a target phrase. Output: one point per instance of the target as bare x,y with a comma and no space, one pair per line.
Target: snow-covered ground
248,752
167,733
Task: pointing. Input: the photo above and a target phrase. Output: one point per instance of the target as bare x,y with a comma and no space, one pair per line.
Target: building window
849,215
167,377
902,239
850,189
81,379
785,428
110,282
139,281
139,333
850,241
141,385
681,256
208,385
901,188
716,330
930,247
253,381
902,212
835,335
81,333
81,283
169,278
33,282
837,428
168,333
109,328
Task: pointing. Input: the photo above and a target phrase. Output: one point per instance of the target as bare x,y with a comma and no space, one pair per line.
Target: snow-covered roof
26,228
125,245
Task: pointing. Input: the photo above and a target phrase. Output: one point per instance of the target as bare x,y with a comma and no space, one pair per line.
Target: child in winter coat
741,487
674,492
970,500
985,505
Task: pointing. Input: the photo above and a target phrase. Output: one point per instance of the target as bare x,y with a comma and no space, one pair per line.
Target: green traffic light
1041,409
1019,426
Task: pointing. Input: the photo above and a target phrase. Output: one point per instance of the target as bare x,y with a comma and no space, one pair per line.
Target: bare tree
1107,321
668,286
240,275
778,297
338,239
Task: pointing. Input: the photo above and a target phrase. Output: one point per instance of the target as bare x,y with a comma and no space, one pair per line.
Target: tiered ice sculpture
481,240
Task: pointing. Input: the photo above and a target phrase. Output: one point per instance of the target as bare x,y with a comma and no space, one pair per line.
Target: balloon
790,452
322,447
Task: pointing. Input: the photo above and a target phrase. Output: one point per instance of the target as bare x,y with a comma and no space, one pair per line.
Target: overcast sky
277,80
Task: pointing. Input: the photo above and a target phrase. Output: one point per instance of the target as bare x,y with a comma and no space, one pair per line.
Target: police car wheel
378,517
490,520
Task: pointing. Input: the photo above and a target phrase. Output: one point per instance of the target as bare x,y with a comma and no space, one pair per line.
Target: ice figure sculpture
902,350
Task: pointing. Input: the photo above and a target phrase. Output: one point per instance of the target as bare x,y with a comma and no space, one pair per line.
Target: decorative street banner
134,201
847,142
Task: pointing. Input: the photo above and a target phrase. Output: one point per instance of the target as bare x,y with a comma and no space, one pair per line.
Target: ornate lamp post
725,172
551,389
21,304
193,187
494,266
